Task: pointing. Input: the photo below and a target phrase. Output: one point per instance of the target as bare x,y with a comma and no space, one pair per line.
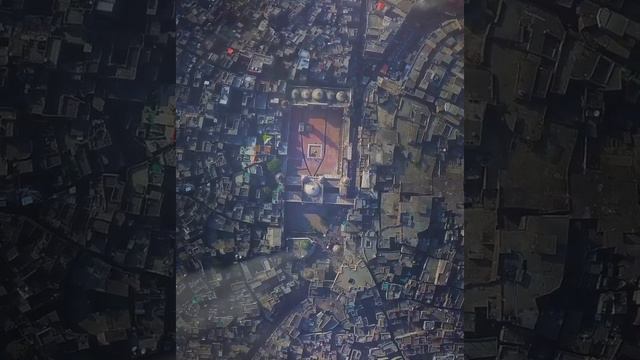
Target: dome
312,189
318,95
331,95
306,94
295,94
336,248
342,96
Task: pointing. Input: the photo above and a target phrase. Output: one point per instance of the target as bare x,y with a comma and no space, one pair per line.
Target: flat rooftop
315,141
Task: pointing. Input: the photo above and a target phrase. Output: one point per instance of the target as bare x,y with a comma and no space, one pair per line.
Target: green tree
305,244
274,165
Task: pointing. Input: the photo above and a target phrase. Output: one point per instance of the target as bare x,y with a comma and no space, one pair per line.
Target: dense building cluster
304,173
551,181
319,201
411,158
383,20
86,160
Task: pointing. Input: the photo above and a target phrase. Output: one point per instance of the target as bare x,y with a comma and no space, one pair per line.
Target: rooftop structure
304,96
316,141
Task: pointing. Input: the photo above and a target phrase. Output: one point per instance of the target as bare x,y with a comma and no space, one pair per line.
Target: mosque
319,146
